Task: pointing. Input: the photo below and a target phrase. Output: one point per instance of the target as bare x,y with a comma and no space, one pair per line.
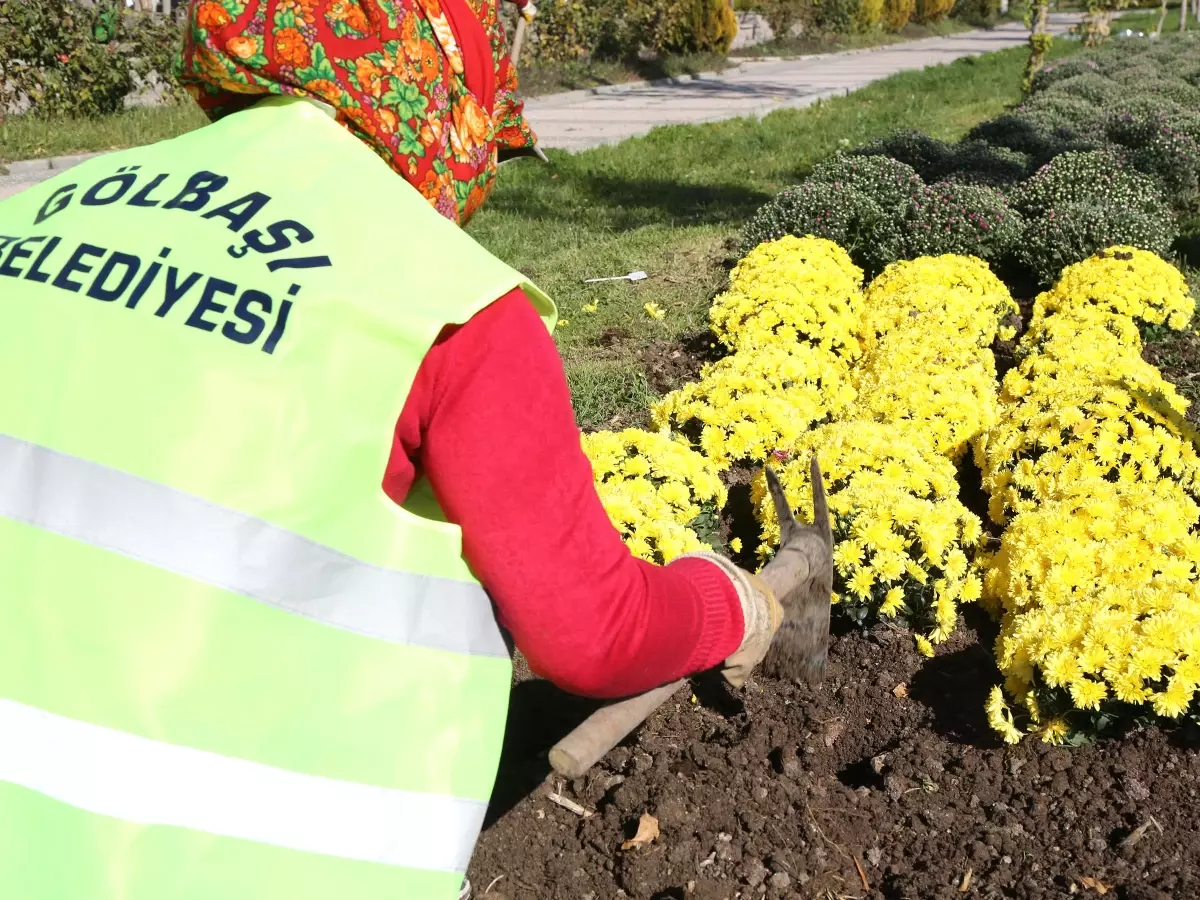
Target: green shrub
1055,72
1172,90
897,14
980,13
961,218
1064,114
1097,176
673,26
567,30
1033,139
929,157
870,234
53,56
1155,147
889,182
978,162
783,15
1093,87
1071,232
835,16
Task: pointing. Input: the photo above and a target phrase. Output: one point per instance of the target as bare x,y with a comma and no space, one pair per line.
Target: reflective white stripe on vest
134,779
165,527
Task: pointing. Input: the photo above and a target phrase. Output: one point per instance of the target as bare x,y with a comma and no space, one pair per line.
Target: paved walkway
581,119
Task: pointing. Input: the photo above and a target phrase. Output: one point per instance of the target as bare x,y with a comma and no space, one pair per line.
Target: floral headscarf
426,83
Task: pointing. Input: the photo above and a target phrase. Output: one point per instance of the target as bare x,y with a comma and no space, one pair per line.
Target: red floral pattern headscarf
426,83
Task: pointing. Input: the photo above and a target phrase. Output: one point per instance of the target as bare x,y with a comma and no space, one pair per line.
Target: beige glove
793,591
760,611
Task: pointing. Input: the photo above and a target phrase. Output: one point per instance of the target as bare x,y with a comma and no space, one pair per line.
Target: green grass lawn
669,202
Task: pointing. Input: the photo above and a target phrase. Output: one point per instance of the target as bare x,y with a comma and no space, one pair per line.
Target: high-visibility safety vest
230,667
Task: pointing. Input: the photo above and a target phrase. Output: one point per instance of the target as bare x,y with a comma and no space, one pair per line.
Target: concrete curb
743,63
22,169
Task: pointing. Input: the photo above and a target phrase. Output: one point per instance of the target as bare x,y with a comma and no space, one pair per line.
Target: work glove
792,593
761,614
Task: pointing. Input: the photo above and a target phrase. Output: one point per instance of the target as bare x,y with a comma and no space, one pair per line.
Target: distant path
581,119
577,120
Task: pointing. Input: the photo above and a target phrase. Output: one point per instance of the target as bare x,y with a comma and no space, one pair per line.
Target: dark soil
1177,355
782,791
670,365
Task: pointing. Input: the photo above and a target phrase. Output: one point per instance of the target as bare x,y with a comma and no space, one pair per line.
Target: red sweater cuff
721,623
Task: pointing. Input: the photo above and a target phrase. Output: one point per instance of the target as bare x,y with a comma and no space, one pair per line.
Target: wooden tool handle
518,39
604,729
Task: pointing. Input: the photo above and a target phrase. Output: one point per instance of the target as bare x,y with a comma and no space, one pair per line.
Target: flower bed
890,384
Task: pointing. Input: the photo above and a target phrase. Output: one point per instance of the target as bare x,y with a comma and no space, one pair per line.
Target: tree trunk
1039,41
1183,11
1162,18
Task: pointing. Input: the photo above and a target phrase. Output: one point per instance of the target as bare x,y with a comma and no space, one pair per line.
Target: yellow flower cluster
1124,281
789,291
1050,351
949,293
658,492
902,540
932,381
1127,428
1082,403
927,327
748,404
926,387
1101,602
1093,463
791,315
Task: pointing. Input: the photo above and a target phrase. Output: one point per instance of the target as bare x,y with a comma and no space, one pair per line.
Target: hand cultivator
800,576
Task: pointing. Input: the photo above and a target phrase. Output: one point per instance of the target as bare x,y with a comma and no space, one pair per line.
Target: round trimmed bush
1092,87
1157,148
835,16
1071,232
978,162
1057,72
1063,113
1039,143
967,219
929,157
887,181
1098,176
870,234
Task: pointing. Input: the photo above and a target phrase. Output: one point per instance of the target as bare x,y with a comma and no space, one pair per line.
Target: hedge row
1105,150
62,58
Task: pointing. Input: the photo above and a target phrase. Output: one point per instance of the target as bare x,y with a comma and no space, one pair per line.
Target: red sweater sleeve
489,422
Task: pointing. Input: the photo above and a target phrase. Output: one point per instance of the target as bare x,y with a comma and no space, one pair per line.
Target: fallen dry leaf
1096,885
900,690
647,832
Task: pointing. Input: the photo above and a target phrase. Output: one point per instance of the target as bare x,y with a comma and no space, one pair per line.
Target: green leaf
406,99
320,68
409,143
